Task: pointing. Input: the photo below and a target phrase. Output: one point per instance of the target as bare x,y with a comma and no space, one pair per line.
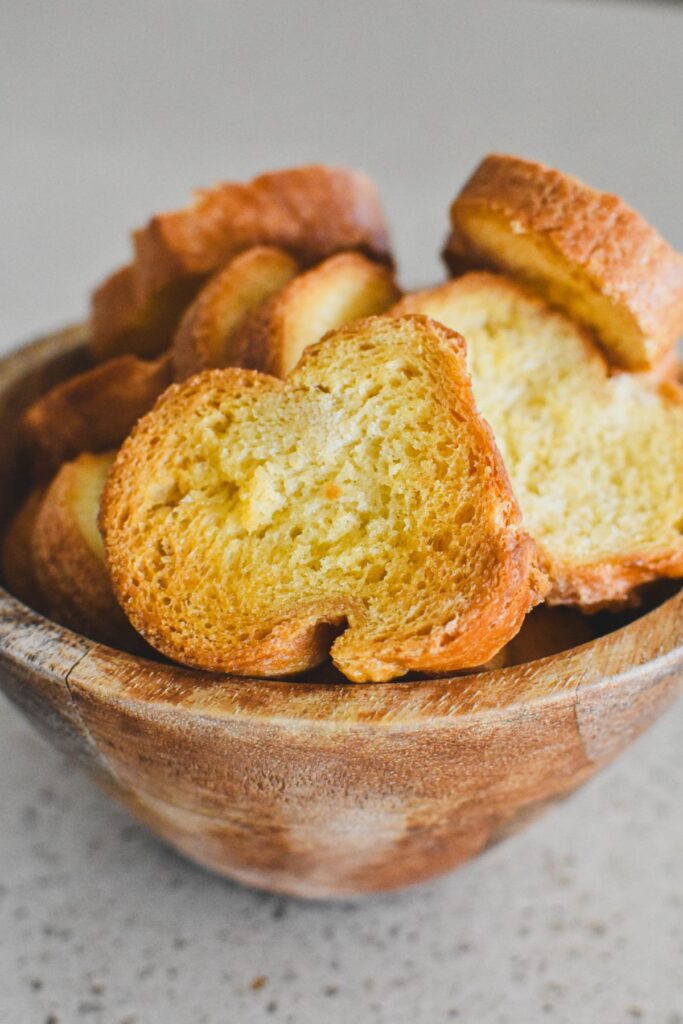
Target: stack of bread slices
277,458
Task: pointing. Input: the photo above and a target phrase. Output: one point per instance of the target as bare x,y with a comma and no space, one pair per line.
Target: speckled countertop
579,919
114,110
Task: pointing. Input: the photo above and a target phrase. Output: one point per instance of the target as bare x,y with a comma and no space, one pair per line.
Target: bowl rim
653,642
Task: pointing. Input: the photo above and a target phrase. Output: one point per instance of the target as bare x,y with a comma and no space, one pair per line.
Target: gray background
110,111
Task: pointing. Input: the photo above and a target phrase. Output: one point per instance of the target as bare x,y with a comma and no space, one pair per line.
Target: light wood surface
318,788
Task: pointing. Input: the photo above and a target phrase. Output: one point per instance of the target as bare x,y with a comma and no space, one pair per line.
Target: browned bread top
92,411
123,322
249,521
311,212
595,458
211,334
586,251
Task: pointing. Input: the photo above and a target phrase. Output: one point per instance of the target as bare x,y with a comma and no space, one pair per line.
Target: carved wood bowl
312,788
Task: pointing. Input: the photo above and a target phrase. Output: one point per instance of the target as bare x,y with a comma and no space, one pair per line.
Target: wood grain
323,789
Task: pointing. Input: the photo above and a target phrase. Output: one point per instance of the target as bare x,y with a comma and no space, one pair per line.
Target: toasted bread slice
92,411
211,333
68,553
587,252
311,212
18,565
249,521
123,322
596,461
342,288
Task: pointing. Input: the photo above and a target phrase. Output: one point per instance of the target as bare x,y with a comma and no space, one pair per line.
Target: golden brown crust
298,636
124,322
18,564
300,641
211,333
311,212
344,287
92,411
609,582
69,566
606,248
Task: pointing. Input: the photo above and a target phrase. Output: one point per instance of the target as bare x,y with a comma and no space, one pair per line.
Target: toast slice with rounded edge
211,334
18,565
595,460
311,212
342,288
68,554
249,521
92,411
123,324
586,252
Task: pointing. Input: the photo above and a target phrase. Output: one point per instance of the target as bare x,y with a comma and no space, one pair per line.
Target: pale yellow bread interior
249,521
596,460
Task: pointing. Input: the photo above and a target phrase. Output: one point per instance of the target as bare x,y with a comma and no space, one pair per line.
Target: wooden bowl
319,789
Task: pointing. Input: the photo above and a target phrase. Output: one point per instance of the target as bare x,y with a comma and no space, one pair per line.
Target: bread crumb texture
596,460
251,523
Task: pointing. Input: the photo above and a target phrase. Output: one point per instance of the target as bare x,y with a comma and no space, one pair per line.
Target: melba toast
311,212
310,466
343,288
595,460
124,323
212,332
68,554
586,252
360,508
92,411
